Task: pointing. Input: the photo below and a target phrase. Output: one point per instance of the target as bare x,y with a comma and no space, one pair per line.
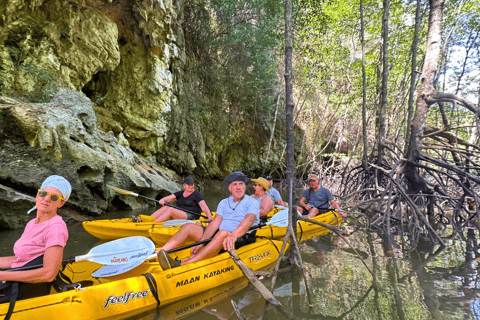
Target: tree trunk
364,89
413,75
290,171
384,95
426,87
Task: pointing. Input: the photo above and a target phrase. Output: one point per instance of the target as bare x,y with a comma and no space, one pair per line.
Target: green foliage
461,73
235,45
328,69
32,81
45,86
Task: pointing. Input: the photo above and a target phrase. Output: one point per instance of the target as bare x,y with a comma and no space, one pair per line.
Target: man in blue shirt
317,199
273,193
235,215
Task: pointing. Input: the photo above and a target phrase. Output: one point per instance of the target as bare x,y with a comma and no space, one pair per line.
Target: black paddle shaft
38,266
178,208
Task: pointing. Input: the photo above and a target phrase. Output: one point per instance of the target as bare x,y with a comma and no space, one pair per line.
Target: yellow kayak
274,232
160,234
130,293
111,229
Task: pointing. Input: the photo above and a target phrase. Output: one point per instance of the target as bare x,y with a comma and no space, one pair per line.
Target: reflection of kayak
129,294
189,306
330,218
112,229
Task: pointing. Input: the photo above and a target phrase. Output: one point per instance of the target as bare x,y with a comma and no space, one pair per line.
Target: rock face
61,137
98,91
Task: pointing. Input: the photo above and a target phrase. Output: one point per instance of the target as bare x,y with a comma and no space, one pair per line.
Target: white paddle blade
113,270
279,219
282,224
120,251
174,223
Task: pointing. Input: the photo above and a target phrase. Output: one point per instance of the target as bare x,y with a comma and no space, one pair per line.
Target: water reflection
450,278
428,283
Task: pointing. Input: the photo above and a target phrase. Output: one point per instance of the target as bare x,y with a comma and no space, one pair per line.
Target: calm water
423,284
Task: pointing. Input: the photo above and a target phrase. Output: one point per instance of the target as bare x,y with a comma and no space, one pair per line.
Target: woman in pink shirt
46,236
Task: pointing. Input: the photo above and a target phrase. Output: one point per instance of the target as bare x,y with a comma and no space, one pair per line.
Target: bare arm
167,199
303,204
51,263
337,207
280,202
266,206
205,209
6,262
243,227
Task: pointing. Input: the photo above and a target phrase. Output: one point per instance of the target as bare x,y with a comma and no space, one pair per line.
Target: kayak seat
11,291
62,287
63,283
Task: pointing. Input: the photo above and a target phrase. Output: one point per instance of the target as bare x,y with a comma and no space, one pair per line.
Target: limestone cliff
102,91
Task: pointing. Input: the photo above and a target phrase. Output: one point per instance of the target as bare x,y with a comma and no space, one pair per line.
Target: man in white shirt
235,215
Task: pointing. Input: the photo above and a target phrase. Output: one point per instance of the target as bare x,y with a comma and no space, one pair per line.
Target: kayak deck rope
10,289
153,287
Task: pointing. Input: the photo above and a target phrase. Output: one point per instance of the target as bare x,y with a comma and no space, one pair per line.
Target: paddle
280,219
174,223
130,193
178,208
180,222
113,270
117,252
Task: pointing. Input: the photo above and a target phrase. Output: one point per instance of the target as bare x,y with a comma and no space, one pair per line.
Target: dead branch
250,275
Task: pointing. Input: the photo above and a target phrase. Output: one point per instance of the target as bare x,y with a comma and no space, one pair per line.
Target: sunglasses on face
54,197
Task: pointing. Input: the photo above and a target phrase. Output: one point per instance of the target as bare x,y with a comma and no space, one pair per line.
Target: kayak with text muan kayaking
143,288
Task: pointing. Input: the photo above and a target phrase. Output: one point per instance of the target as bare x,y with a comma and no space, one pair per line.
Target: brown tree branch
250,275
436,96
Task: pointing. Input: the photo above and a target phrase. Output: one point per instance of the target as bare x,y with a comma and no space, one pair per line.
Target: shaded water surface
428,283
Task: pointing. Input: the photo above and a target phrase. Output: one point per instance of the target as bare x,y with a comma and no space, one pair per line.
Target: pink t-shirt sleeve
56,235
37,238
